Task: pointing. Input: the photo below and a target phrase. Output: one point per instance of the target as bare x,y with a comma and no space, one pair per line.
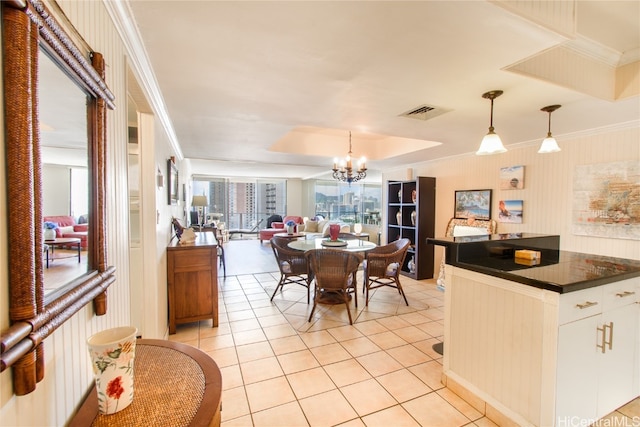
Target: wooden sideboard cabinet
192,281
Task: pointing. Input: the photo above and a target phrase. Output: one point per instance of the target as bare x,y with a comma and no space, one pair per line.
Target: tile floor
280,370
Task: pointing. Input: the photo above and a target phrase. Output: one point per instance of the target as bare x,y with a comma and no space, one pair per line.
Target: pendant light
549,144
491,143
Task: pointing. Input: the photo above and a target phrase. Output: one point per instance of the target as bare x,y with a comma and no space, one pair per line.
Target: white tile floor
279,369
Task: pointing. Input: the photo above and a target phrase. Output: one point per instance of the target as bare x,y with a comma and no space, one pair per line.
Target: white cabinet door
616,364
577,381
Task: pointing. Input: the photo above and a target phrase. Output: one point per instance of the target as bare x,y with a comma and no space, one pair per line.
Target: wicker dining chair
334,271
293,265
382,267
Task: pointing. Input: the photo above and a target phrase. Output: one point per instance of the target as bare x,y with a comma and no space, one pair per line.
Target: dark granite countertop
558,271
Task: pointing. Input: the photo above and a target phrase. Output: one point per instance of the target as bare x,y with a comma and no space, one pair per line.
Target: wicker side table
174,385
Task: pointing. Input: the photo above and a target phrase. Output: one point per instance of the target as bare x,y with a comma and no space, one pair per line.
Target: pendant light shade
491,143
549,144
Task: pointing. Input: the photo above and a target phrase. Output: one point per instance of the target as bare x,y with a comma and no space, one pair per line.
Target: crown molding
122,18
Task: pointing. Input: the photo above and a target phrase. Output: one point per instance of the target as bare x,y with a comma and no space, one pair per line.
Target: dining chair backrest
293,265
333,268
290,261
380,258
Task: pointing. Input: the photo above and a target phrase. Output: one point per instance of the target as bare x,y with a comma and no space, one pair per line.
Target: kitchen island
534,344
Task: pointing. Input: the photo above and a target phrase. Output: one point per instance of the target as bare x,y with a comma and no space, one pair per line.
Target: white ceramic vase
412,265
112,352
49,234
290,228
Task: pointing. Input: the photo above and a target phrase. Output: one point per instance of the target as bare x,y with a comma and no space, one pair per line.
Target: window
243,204
79,192
351,204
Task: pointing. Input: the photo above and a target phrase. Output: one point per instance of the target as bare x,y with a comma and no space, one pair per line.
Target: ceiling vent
424,112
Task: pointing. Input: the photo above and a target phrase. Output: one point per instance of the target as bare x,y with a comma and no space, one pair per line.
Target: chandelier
343,171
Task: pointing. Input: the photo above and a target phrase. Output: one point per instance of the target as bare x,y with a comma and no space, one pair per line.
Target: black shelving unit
411,210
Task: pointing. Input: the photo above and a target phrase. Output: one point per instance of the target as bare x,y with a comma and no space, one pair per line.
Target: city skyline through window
241,204
348,203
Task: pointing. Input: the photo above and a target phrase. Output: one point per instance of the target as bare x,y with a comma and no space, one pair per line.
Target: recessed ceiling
322,142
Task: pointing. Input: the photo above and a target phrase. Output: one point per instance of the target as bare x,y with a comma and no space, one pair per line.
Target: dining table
351,245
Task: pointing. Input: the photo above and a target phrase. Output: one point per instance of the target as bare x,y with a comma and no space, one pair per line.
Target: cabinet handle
603,341
625,294
602,344
586,304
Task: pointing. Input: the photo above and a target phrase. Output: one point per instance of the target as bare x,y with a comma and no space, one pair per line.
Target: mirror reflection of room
63,133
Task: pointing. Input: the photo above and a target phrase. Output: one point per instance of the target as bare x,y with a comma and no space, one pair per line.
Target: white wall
294,197
56,190
548,189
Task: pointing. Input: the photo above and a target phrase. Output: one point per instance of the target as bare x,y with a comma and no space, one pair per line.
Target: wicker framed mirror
28,30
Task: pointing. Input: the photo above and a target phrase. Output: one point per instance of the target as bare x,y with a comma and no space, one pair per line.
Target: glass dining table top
352,245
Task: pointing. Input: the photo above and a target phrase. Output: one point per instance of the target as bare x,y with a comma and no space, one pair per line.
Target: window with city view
349,203
241,204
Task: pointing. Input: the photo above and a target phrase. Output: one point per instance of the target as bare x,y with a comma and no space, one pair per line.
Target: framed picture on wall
172,188
473,203
510,211
512,178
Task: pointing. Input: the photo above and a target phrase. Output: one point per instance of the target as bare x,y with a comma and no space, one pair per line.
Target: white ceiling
272,89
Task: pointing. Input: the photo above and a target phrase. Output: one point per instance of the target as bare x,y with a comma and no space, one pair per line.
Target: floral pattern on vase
112,353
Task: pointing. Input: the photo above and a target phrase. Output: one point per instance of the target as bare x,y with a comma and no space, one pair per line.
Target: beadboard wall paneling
502,324
558,16
548,189
628,80
578,71
68,374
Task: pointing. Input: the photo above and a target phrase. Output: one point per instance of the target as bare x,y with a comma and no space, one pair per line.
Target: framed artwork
512,178
473,203
605,200
172,188
510,211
